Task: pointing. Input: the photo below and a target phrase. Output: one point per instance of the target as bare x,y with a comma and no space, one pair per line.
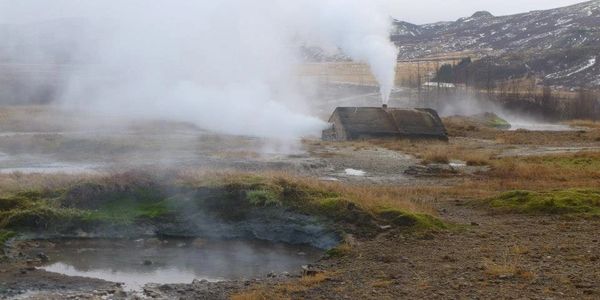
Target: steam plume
227,66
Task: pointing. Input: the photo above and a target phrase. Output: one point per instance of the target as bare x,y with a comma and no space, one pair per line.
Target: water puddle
50,168
354,172
136,263
540,127
457,164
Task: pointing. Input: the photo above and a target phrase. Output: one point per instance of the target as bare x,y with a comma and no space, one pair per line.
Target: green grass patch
412,220
130,199
127,212
580,161
570,201
340,251
264,197
497,122
6,235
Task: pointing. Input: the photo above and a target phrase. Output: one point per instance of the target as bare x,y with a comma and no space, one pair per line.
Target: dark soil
491,257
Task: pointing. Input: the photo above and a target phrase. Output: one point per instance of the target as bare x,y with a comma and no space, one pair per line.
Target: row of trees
527,92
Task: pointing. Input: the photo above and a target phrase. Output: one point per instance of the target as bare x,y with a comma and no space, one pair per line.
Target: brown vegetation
283,290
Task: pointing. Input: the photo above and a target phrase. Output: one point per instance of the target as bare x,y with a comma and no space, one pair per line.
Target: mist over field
225,66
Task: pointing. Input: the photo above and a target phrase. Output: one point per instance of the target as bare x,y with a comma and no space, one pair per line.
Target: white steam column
361,29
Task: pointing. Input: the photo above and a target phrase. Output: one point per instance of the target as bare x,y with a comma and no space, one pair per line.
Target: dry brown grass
547,138
251,295
309,281
440,152
576,170
463,127
510,265
15,182
382,283
284,290
538,173
366,196
585,124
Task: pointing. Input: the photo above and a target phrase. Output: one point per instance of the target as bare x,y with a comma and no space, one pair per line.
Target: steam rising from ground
227,66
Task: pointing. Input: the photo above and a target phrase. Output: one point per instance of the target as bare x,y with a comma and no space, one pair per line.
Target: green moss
127,212
339,251
415,221
497,122
92,204
38,217
263,197
579,161
571,201
20,199
6,235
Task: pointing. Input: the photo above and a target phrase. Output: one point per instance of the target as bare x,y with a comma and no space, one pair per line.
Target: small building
355,123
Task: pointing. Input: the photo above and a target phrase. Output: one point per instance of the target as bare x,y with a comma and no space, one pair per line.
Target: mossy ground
569,201
5,235
126,201
495,121
583,161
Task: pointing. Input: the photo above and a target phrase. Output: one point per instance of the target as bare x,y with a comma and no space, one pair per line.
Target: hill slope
560,45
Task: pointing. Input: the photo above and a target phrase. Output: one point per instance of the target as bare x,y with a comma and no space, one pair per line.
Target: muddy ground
484,256
492,257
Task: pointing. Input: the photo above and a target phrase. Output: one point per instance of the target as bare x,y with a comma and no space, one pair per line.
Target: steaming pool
169,261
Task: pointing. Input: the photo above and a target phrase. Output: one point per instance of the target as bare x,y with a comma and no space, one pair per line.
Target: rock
153,242
199,243
147,262
474,224
43,257
385,227
310,271
449,258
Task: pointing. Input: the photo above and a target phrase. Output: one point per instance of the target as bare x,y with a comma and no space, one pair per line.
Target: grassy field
516,196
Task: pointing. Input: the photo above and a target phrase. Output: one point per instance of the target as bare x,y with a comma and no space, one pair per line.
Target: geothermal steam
227,66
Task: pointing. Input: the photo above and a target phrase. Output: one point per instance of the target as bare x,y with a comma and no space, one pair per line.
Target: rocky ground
490,257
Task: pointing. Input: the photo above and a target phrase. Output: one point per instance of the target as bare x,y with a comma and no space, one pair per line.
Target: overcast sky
415,11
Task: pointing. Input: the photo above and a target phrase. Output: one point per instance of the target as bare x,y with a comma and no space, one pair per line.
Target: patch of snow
354,172
562,21
440,84
590,63
458,164
332,179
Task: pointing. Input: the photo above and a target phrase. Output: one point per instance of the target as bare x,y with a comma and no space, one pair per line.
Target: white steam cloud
227,65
